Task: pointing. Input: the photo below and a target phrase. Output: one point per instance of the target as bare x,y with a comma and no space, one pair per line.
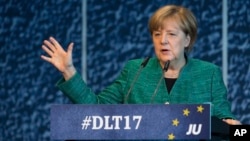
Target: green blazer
199,82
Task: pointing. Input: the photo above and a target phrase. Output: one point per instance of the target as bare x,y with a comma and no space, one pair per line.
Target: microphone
143,64
165,69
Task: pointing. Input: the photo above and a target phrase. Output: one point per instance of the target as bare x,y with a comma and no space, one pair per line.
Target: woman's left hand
232,121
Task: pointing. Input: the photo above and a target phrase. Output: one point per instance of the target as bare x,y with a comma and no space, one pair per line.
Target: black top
170,83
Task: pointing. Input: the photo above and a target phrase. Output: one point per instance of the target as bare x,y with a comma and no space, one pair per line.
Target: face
170,42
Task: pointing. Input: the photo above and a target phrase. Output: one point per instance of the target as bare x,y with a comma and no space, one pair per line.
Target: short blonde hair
185,18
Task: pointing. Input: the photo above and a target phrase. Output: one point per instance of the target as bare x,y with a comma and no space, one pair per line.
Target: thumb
70,49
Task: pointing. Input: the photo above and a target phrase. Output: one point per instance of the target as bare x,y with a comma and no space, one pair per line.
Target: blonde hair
185,18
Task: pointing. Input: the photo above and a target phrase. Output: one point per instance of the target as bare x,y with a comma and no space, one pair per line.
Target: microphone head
145,62
165,68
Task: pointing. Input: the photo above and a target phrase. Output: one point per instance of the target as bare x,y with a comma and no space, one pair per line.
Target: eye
156,34
172,34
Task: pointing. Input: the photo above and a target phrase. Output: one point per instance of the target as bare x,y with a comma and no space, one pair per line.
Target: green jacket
199,82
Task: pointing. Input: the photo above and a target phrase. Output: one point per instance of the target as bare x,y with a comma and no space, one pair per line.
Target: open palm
57,56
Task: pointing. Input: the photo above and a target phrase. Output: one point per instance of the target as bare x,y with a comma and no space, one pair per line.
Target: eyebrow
169,30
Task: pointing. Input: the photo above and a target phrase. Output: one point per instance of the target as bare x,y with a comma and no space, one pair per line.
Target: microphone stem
132,84
157,87
143,64
165,69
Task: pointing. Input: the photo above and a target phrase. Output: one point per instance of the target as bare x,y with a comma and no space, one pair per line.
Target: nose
164,40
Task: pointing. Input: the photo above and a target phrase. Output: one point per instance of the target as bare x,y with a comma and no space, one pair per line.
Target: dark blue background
116,32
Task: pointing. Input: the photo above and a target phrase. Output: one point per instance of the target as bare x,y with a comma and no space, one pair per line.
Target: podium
130,122
219,130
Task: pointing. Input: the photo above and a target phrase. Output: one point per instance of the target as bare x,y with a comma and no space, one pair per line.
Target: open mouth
165,50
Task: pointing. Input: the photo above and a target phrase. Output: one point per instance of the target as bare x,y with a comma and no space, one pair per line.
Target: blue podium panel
130,121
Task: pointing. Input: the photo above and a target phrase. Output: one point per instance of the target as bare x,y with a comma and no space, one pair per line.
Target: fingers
53,48
49,45
54,42
46,58
232,122
50,53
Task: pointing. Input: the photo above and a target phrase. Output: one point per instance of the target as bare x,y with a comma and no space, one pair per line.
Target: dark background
116,32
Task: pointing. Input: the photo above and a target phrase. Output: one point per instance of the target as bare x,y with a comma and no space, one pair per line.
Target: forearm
76,89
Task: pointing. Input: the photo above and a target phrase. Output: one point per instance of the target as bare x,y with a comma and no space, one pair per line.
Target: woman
173,30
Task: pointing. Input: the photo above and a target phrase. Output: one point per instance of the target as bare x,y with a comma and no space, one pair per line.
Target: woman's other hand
232,121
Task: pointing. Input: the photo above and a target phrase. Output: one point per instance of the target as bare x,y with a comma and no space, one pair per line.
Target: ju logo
189,123
194,130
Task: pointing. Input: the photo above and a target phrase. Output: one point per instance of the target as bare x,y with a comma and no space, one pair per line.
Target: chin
164,60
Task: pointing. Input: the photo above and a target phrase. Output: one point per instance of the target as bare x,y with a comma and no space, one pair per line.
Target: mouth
164,51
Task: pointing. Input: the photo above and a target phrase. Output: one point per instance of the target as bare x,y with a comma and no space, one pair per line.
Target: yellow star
186,112
171,136
175,122
200,109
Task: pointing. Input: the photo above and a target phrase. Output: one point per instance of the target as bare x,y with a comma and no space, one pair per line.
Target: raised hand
58,57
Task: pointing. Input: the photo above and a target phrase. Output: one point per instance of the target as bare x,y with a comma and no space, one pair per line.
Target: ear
187,42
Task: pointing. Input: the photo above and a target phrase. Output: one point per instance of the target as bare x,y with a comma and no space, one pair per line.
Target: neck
175,68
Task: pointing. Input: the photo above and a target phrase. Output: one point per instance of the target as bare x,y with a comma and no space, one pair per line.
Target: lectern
130,122
219,130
